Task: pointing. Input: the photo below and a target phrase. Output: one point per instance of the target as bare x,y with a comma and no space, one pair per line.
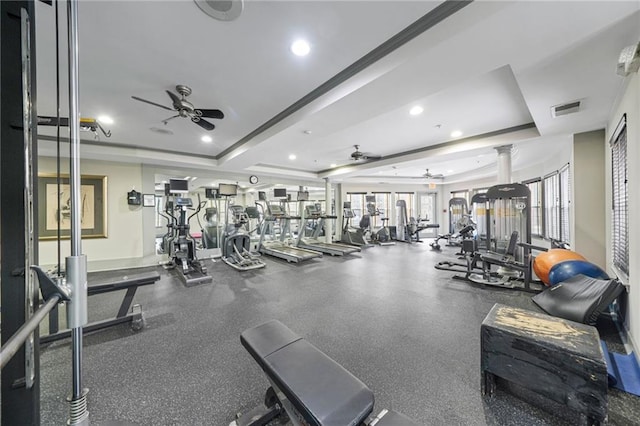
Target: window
357,205
565,202
551,187
620,197
556,205
535,186
461,194
382,205
408,199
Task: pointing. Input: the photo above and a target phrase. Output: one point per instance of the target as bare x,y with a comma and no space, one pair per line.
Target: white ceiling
491,70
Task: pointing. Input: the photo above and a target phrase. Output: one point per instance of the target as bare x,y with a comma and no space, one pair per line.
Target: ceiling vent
565,109
222,10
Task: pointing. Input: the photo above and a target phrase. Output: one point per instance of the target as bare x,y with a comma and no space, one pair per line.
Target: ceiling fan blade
371,157
152,103
212,113
174,98
204,124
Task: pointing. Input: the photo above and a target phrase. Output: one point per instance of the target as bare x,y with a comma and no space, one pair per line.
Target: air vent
564,109
222,10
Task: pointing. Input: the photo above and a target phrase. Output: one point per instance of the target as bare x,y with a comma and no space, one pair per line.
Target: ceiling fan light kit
222,10
185,109
358,155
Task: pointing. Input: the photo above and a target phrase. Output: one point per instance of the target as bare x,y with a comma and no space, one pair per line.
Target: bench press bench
307,385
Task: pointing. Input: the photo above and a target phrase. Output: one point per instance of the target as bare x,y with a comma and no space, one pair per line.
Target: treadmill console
276,210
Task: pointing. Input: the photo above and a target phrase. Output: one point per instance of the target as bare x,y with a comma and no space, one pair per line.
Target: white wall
124,223
628,103
588,193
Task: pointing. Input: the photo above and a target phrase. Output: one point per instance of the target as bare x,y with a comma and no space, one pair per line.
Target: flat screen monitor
211,193
167,189
346,205
178,186
370,198
280,192
262,196
303,195
228,189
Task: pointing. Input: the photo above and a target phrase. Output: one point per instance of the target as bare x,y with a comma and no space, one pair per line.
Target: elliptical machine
236,246
182,251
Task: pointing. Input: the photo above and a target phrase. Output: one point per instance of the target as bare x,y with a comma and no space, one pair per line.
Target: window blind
620,197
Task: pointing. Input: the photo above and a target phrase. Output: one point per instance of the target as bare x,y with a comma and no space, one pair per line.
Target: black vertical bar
20,405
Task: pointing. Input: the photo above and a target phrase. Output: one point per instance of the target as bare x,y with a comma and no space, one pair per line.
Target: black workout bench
307,385
126,313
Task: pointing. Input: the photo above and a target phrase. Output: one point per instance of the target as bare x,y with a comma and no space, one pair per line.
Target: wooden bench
559,359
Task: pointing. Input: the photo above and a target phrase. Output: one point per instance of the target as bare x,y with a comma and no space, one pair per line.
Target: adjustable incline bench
307,385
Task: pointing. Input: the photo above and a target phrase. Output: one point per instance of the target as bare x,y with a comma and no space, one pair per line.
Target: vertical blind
565,203
620,217
535,187
551,191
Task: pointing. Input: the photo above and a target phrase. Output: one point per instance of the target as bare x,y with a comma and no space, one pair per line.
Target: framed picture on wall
148,200
53,214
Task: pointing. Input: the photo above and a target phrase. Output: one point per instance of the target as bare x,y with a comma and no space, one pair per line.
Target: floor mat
623,371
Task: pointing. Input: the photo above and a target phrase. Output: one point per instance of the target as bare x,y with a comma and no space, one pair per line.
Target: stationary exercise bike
380,236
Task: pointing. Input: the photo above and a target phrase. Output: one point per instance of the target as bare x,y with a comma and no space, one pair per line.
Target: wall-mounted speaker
629,60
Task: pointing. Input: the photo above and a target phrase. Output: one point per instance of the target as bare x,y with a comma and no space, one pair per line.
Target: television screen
178,186
262,196
211,193
280,192
346,205
228,189
370,198
167,189
303,195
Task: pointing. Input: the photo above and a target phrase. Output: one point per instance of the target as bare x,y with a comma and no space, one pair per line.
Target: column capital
504,149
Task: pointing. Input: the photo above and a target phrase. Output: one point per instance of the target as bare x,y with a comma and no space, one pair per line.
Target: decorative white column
504,163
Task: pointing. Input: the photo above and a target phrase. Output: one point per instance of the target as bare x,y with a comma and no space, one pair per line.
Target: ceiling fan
185,108
430,175
358,155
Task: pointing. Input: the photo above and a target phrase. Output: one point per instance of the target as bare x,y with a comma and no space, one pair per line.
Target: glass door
427,209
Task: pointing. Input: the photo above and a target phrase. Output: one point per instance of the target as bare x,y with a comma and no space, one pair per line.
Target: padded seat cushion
580,298
318,387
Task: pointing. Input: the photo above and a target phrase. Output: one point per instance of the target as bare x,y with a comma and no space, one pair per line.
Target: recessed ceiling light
456,134
206,138
416,110
105,119
300,48
449,171
307,132
292,157
333,165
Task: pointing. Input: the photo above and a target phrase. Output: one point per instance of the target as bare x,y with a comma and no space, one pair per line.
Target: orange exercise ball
543,263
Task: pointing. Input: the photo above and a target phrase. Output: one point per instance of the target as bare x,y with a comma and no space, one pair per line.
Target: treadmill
313,243
279,248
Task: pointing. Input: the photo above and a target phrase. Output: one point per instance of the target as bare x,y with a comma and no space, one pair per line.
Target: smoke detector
222,10
565,109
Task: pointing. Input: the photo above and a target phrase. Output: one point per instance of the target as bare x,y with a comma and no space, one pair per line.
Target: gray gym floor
407,330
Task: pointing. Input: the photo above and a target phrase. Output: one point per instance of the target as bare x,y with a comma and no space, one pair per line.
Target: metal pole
76,264
14,344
